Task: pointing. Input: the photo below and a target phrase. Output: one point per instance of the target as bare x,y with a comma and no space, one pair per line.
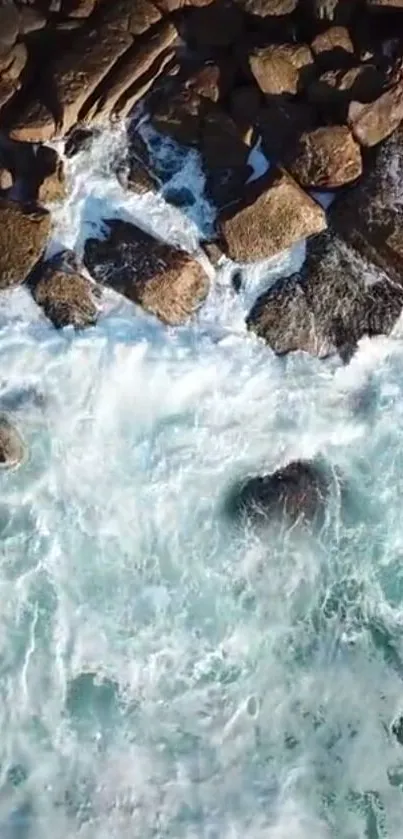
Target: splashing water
162,673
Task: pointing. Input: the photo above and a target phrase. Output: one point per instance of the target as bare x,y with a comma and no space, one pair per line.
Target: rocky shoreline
317,84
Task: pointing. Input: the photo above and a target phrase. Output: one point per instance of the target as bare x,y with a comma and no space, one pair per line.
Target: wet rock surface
66,296
12,446
23,235
296,492
168,283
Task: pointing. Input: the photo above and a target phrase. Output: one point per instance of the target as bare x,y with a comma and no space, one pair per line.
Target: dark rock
9,27
397,729
327,157
299,491
327,306
282,68
12,447
244,105
369,218
23,236
336,11
334,90
179,115
180,197
79,139
217,25
137,178
213,251
333,48
385,4
281,124
66,298
274,214
212,80
166,282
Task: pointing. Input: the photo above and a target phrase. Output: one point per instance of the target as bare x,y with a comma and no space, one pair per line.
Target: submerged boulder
12,447
23,235
298,490
166,281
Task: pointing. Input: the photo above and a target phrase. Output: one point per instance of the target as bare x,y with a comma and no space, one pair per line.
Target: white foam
136,623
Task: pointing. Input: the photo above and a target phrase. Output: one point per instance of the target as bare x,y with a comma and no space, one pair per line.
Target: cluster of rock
318,82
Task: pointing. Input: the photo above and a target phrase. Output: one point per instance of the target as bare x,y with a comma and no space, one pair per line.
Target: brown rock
53,187
143,15
281,68
213,251
268,8
333,48
9,27
166,282
23,237
328,157
34,124
6,179
137,178
168,6
375,121
212,80
137,62
67,299
78,8
16,61
12,446
274,214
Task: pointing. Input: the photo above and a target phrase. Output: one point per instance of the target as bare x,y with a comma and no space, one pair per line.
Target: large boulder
166,282
327,307
281,68
327,157
12,446
274,214
66,297
369,217
298,491
23,236
373,122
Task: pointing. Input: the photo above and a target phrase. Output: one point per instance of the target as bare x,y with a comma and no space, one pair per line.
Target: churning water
164,674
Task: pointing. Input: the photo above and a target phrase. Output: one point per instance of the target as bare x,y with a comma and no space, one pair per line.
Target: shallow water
164,674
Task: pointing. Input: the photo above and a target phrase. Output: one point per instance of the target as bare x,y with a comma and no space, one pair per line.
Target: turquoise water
163,673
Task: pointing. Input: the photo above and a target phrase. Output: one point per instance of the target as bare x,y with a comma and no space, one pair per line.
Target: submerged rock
67,298
167,282
23,235
298,490
12,447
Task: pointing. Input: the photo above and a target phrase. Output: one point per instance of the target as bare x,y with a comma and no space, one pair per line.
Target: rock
67,299
268,8
79,139
369,218
166,282
34,124
212,81
336,11
16,61
79,8
328,158
333,48
23,237
178,114
375,121
6,179
281,68
327,306
132,70
137,178
53,186
385,4
12,447
334,90
31,19
274,214
298,491
221,143
244,105
9,27
217,25
281,124
75,76
213,251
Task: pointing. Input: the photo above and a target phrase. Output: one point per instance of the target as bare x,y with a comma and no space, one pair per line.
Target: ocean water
164,673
